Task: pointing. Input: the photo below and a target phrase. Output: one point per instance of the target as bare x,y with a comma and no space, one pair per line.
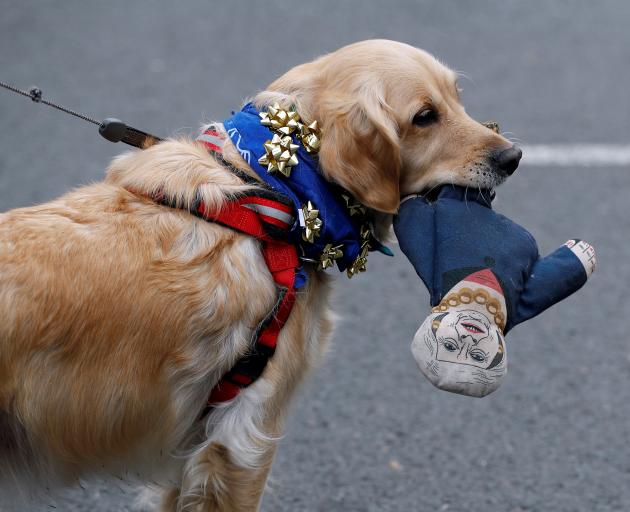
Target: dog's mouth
431,194
484,176
476,177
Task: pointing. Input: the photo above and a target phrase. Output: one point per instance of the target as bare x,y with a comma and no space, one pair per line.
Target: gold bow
279,155
310,136
359,264
312,222
353,206
492,125
366,234
279,120
329,255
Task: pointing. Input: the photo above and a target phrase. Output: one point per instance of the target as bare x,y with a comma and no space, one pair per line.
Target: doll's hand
554,278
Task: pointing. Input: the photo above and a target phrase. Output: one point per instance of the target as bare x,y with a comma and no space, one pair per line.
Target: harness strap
281,259
268,216
263,219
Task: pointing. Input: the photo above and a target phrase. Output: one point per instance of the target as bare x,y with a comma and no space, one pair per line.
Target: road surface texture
368,432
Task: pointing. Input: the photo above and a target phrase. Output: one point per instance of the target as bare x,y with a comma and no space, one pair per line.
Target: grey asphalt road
367,432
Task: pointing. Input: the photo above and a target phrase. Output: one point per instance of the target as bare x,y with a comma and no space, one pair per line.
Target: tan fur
119,315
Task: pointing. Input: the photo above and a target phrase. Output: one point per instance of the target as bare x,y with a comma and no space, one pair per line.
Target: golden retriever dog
118,315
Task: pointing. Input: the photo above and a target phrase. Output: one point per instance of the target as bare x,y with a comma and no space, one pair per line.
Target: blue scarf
304,184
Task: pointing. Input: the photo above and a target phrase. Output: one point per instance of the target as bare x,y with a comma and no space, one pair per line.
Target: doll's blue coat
459,233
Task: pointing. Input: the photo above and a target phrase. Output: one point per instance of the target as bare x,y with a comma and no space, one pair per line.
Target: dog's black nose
507,160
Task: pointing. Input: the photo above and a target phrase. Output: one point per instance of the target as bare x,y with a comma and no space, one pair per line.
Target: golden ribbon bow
312,222
359,264
279,120
353,206
310,135
279,155
492,125
329,255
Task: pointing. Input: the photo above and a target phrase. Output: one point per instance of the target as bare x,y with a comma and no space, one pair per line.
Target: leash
112,129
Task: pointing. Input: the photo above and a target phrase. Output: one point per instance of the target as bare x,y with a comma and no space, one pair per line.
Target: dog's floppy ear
360,147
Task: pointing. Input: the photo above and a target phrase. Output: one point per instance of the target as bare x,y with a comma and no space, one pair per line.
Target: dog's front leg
227,471
215,483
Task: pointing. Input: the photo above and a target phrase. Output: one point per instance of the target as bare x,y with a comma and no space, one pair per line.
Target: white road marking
572,155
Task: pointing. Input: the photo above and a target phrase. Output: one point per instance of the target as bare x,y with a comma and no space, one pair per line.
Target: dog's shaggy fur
118,316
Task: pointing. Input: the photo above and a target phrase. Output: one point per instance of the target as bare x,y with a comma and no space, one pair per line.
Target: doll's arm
554,278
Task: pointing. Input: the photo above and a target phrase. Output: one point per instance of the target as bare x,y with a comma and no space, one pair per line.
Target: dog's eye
425,117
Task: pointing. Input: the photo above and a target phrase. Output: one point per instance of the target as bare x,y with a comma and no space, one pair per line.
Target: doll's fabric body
485,276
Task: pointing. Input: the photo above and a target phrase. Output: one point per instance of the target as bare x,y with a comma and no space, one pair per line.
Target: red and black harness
263,213
267,216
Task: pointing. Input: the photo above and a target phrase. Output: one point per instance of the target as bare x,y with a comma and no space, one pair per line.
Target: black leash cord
35,93
112,129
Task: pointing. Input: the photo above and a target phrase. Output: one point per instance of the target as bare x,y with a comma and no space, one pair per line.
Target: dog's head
392,123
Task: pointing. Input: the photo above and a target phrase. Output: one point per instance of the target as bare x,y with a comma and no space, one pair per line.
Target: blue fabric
459,233
304,184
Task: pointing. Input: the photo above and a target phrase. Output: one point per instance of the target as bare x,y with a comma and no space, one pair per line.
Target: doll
485,276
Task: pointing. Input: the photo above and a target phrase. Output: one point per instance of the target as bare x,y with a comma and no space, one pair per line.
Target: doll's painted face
460,347
461,351
467,337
